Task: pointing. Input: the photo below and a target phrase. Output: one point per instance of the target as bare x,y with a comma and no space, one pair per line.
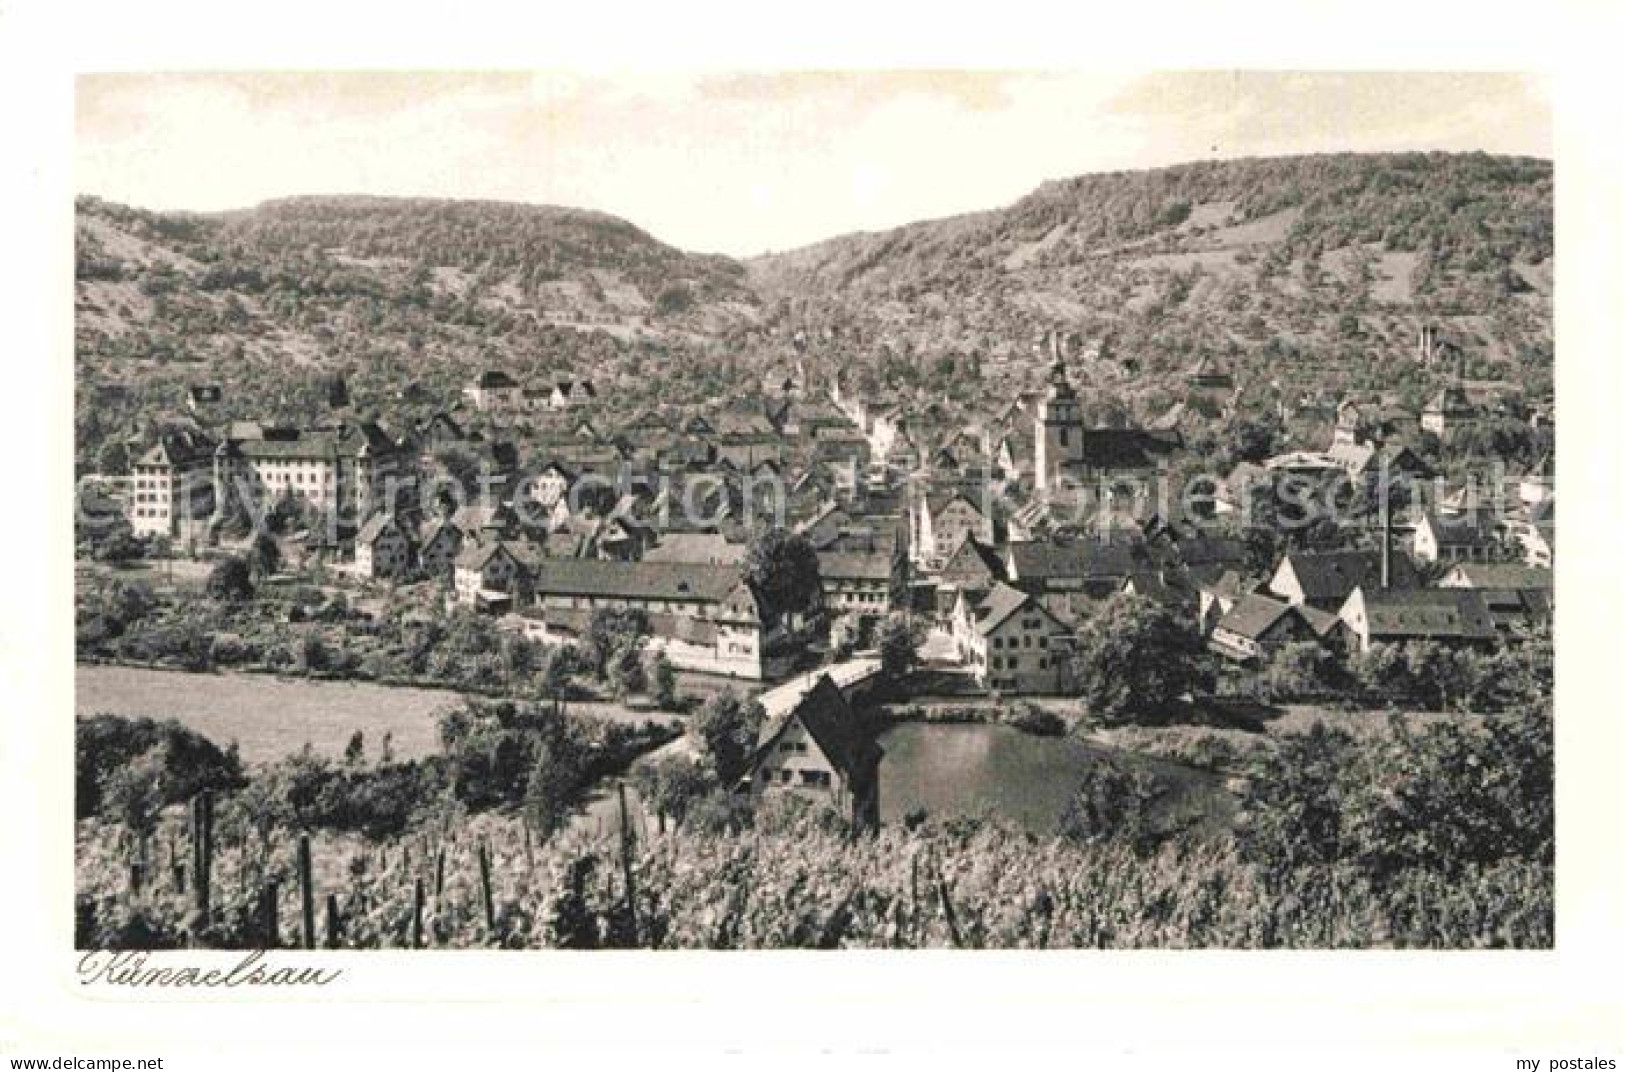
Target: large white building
343,469
171,489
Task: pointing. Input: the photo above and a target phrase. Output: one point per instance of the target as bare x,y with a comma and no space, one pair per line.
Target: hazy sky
742,163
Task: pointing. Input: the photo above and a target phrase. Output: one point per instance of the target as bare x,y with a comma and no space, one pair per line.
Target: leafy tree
626,671
113,459
107,744
671,783
356,750
555,780
724,730
897,644
134,793
1299,670
1252,439
662,678
611,633
1115,803
1135,659
231,580
781,567
1292,812
119,546
264,555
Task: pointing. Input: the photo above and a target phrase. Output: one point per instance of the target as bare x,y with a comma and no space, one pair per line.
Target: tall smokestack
1387,528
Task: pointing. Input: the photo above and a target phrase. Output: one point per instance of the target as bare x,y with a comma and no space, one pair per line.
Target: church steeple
1058,427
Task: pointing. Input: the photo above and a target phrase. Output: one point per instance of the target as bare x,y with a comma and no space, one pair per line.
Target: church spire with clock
1058,426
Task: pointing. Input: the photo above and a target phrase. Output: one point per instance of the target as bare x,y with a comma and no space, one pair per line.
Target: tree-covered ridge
538,243
1471,210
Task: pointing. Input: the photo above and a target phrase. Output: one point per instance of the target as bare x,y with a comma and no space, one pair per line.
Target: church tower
1058,427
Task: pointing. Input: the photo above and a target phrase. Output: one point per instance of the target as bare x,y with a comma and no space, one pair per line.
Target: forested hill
322,277
1298,272
529,245
1470,211
1287,261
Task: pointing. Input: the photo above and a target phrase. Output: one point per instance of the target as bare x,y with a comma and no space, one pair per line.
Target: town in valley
1162,560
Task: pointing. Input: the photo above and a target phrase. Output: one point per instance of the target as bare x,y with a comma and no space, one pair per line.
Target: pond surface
974,768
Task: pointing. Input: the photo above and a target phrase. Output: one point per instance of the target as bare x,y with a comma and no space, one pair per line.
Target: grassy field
270,717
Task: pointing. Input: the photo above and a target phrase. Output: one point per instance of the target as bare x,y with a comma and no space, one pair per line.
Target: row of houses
1347,601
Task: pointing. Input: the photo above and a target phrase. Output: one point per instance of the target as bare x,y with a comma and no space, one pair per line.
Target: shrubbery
185,760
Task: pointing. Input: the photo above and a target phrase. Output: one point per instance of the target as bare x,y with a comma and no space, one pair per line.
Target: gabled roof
1324,575
972,552
494,378
1000,603
1427,613
1158,587
1039,561
711,548
1254,615
476,555
1501,575
1469,530
832,724
440,529
1124,448
375,527
1202,549
855,565
663,581
1451,401
1230,584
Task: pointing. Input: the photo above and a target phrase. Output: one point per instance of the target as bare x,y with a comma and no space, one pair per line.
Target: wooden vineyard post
417,913
948,909
626,862
202,852
485,889
439,872
333,921
177,870
307,895
530,858
914,897
268,915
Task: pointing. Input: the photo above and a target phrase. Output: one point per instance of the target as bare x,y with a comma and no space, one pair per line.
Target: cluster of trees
1442,797
132,768
694,785
1136,660
1510,676
534,759
616,653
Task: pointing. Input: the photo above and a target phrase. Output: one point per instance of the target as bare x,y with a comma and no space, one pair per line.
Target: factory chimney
1384,513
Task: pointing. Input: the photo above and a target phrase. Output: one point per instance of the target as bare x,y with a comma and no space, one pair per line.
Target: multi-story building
704,618
382,550
1072,460
1449,412
495,392
491,575
1010,642
171,487
343,469
819,750
942,520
